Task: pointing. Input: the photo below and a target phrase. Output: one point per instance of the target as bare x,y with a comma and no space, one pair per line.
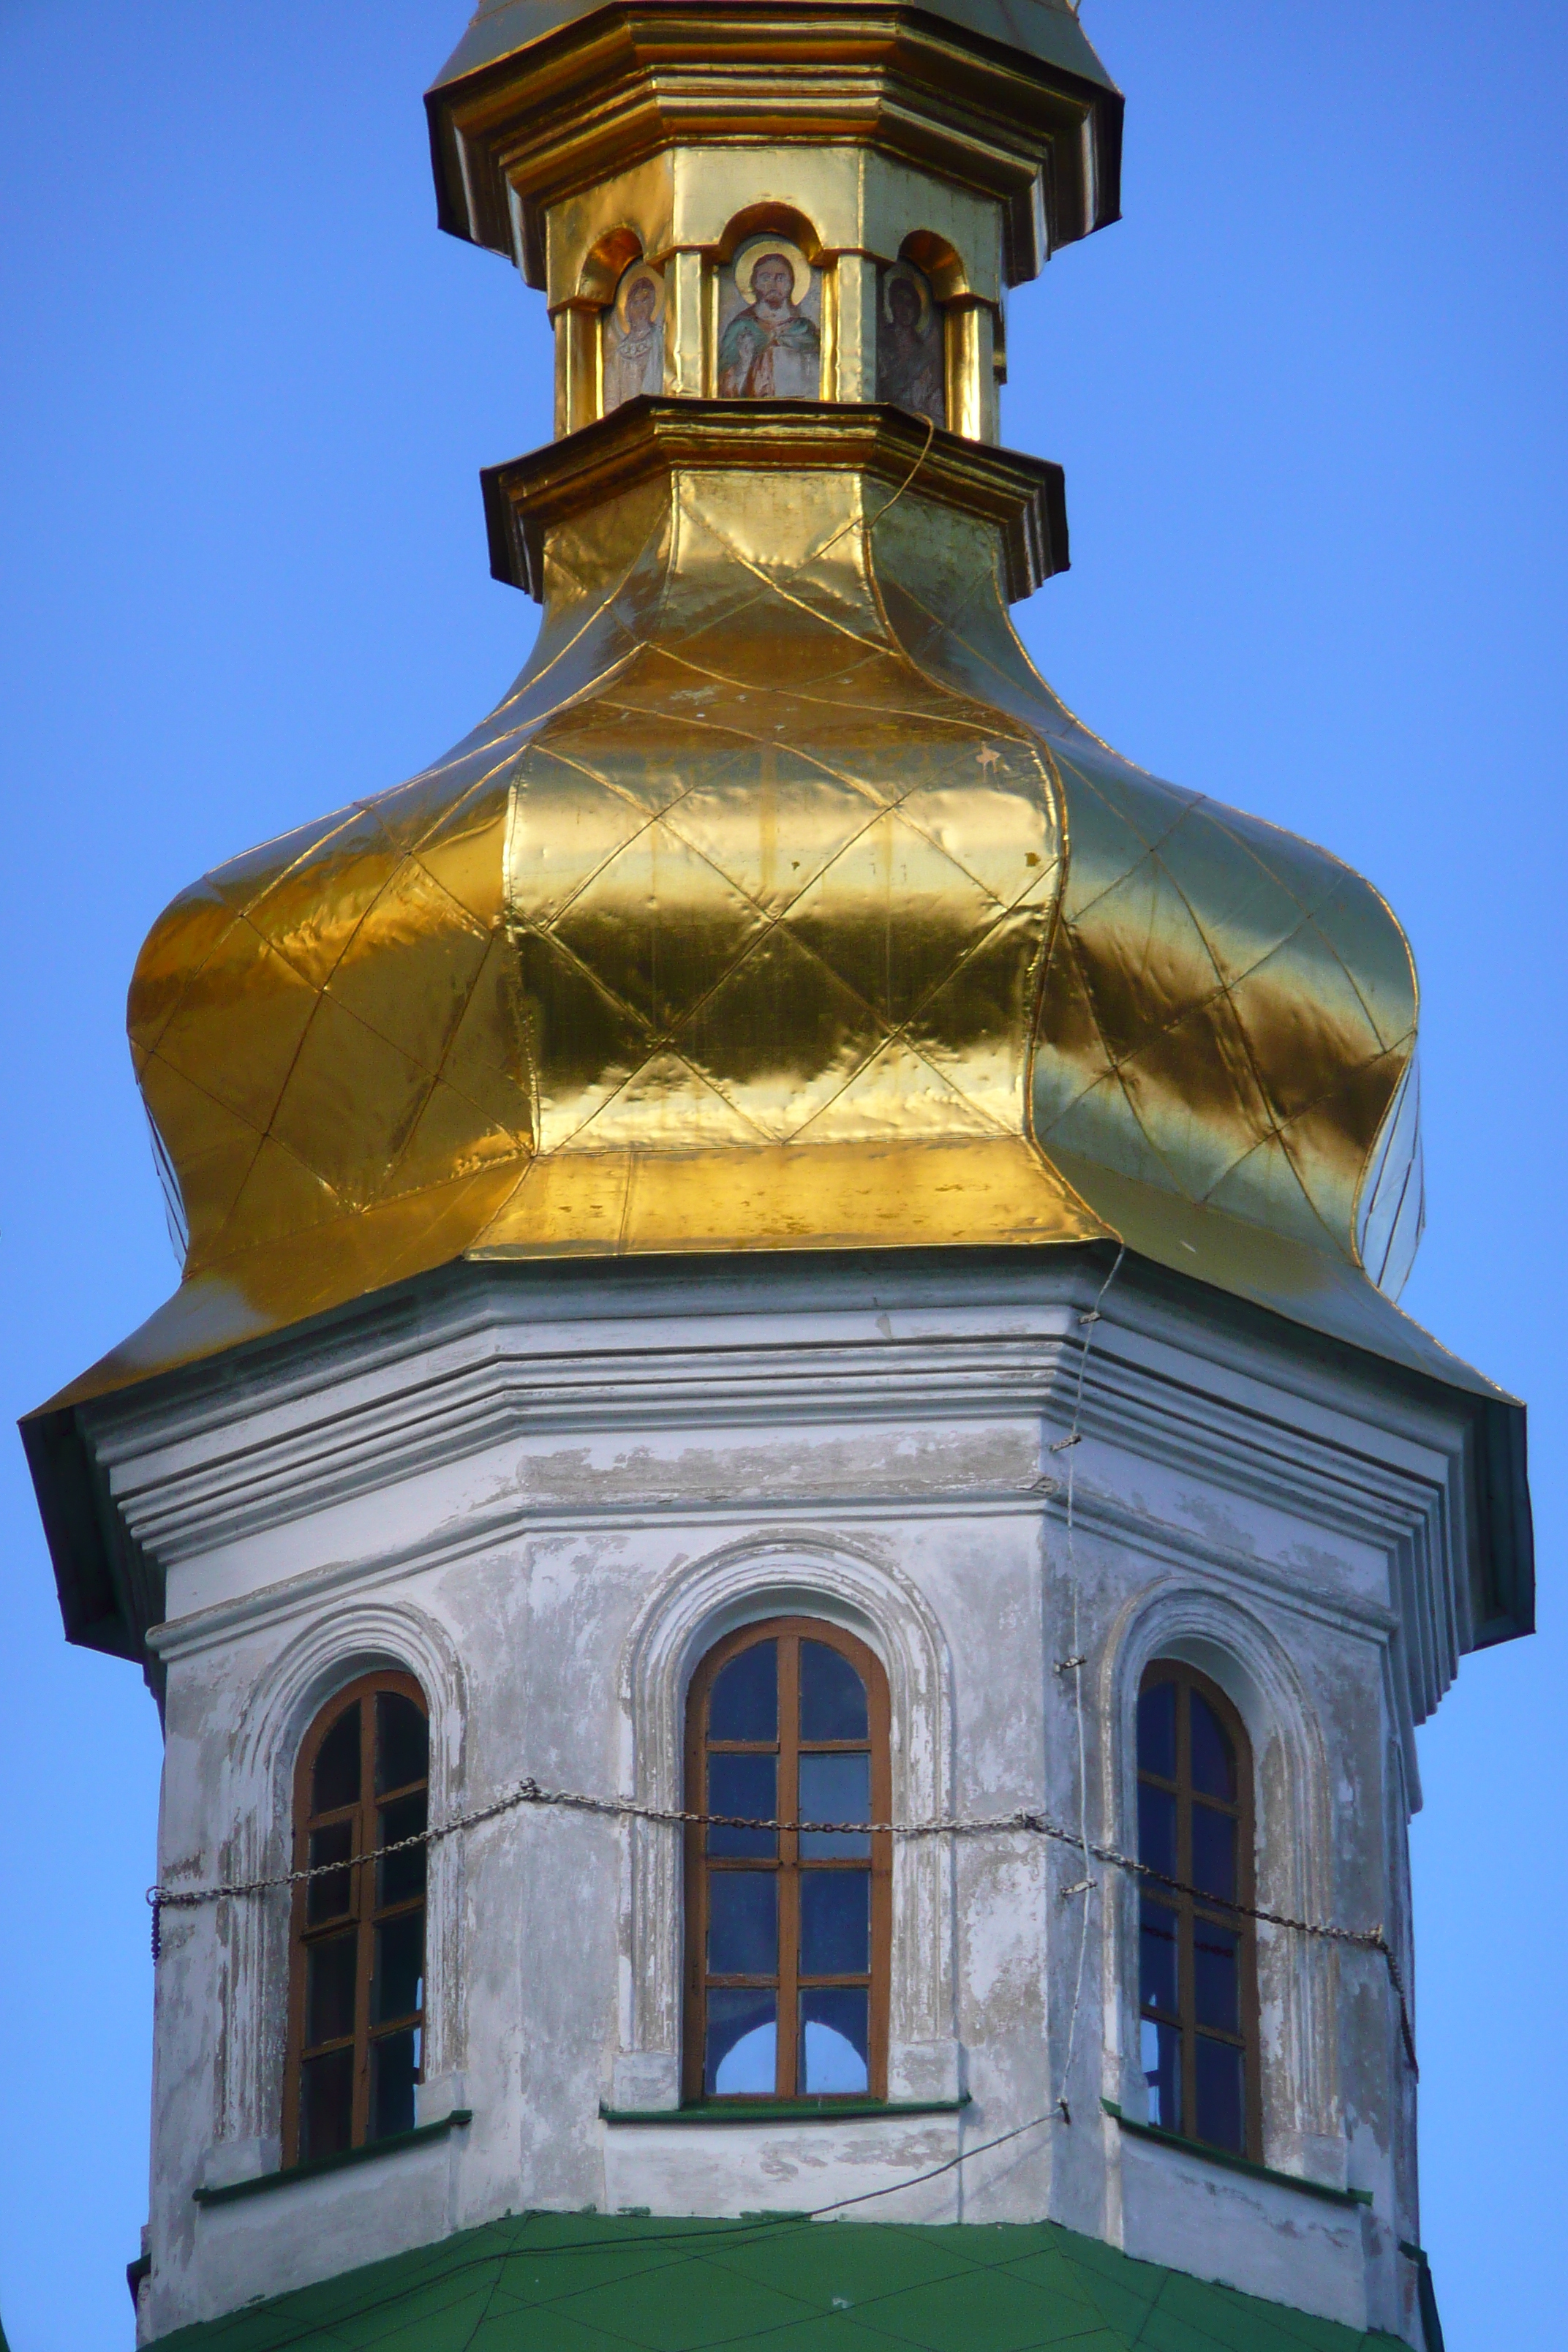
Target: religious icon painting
911,357
770,324
633,336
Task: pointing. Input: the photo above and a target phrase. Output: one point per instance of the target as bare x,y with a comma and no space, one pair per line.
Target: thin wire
887,505
1074,1664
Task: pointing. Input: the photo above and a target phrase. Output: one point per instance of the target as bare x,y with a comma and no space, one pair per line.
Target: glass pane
1216,1976
1160,2048
1214,1759
832,1695
743,1703
1157,1829
742,1923
1157,1949
330,1973
401,1875
328,1898
402,1741
835,1923
1219,2094
326,2105
834,1789
335,1780
741,2058
398,1986
1157,1731
394,2070
746,1786
834,2040
1214,1852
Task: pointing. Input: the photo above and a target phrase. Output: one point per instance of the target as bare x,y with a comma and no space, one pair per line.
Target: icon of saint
771,350
910,368
634,337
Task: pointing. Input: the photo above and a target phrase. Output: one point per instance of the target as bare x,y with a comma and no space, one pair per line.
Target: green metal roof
594,2282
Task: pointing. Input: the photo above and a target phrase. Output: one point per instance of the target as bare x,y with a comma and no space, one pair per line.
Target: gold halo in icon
746,261
904,273
641,273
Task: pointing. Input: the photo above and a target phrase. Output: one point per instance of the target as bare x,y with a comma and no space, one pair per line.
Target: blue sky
1308,394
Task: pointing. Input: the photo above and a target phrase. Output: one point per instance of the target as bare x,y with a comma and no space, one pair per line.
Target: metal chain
529,1793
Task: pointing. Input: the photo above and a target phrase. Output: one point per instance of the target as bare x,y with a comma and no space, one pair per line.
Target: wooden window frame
789,1632
364,1911
1191,1910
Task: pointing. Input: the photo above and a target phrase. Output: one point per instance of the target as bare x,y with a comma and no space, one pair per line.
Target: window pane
1157,1829
326,2105
1159,2047
834,2040
335,1780
835,1923
742,1923
402,1741
328,1898
1157,1950
1214,1759
832,1695
834,1789
1216,1976
743,1703
394,2069
330,1970
742,2056
398,1986
1214,1852
746,1786
1157,1731
401,1875
1219,2094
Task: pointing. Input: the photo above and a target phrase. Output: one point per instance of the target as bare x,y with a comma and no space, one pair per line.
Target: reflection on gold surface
778,905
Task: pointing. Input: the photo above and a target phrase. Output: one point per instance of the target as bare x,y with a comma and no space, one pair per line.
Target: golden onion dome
780,905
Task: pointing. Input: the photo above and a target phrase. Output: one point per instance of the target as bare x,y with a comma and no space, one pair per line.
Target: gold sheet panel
778,905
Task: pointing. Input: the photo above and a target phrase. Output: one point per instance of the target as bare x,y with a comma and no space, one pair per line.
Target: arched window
787,1931
356,2001
1197,1971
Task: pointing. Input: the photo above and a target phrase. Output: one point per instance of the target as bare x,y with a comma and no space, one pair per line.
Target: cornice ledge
652,439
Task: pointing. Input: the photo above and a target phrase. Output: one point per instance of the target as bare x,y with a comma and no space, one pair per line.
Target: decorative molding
1298,1976
806,1573
256,1797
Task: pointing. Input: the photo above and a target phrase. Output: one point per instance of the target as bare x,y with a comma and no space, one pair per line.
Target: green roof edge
700,2282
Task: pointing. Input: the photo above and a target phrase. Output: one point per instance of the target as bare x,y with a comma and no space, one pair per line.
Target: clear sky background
1309,397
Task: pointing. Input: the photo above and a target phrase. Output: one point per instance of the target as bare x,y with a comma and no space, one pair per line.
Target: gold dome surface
780,905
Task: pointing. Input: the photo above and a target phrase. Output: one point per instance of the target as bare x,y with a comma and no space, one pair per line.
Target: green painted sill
782,2111
391,2146
1222,2156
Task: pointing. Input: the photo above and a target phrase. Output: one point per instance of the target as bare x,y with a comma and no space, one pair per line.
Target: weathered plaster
548,1510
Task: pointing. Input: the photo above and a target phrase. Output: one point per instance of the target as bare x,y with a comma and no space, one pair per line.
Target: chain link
1022,1822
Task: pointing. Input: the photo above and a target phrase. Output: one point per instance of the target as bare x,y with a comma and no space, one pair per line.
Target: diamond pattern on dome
731,872
1202,1028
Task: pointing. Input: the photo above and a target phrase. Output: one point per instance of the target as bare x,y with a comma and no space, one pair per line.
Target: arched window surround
860,1589
1299,2069
346,1640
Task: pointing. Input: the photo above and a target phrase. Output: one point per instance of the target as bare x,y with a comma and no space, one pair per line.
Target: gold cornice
656,439
601,93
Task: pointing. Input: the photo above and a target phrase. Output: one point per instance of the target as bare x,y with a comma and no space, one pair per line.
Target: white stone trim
858,1586
359,1637
1298,1976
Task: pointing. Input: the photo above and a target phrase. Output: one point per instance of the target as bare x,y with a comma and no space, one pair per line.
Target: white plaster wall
549,1522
